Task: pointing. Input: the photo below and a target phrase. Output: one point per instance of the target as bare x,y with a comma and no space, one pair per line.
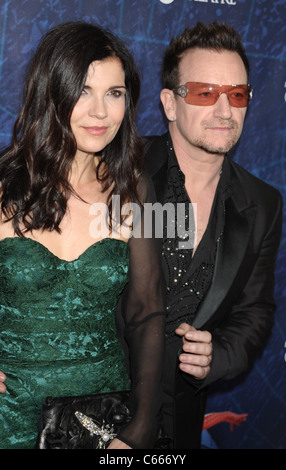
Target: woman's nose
98,108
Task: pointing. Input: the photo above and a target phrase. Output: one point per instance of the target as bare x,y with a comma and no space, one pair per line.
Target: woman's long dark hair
35,168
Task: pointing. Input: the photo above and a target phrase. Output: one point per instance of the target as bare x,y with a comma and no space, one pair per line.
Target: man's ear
169,103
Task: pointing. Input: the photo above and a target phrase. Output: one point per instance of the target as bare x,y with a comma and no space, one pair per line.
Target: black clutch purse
86,422
83,422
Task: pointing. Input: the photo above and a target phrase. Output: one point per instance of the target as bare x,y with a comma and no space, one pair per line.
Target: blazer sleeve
247,322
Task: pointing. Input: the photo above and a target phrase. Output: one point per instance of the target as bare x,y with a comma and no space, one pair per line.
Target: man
220,292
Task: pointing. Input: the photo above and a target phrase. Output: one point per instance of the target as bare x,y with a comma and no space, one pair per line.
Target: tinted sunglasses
207,94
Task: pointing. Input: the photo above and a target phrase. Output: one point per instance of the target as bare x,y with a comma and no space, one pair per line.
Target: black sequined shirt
188,277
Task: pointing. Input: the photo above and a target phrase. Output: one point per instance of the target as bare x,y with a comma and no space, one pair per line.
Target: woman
74,149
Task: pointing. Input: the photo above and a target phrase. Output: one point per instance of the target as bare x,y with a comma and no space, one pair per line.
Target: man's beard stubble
212,148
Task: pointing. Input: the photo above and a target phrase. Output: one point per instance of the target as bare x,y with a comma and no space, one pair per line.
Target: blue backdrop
147,26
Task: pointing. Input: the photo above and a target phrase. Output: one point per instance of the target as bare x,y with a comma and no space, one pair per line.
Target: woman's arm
2,380
144,316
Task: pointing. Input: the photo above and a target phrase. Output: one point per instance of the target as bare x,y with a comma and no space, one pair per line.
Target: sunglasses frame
183,91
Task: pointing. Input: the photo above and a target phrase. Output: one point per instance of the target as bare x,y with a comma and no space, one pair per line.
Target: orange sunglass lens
204,94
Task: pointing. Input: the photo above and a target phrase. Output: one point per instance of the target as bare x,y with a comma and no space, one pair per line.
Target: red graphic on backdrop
212,419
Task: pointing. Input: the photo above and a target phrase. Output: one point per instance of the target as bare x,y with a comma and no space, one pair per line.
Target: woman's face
100,109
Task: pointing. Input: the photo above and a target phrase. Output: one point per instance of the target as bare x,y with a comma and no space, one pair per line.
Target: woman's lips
95,130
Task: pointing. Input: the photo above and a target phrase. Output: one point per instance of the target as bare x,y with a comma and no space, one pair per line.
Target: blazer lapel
156,163
159,181
230,253
233,245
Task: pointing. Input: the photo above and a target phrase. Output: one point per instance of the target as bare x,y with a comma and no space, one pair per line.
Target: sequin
188,277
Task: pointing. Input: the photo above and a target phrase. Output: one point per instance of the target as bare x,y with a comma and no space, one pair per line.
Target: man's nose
222,107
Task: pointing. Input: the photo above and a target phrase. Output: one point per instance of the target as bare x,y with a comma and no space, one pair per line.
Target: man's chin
220,150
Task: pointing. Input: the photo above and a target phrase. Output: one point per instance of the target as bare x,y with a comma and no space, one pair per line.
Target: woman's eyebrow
117,86
110,88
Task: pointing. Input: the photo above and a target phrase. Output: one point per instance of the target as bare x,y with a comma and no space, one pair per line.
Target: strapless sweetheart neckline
44,248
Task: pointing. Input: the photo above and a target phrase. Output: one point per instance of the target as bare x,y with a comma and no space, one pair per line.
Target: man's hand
197,351
2,380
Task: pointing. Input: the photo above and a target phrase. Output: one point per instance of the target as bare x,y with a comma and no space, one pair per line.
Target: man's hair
213,36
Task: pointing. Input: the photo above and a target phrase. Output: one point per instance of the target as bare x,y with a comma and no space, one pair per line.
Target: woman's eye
115,93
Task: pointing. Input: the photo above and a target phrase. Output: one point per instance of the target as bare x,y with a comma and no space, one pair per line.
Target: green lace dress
61,333
57,329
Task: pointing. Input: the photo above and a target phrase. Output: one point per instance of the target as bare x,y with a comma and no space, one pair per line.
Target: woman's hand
117,444
2,380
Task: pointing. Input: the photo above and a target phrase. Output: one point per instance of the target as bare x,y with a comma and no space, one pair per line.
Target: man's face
212,129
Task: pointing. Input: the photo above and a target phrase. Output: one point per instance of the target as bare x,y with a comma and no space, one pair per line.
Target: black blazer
238,308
